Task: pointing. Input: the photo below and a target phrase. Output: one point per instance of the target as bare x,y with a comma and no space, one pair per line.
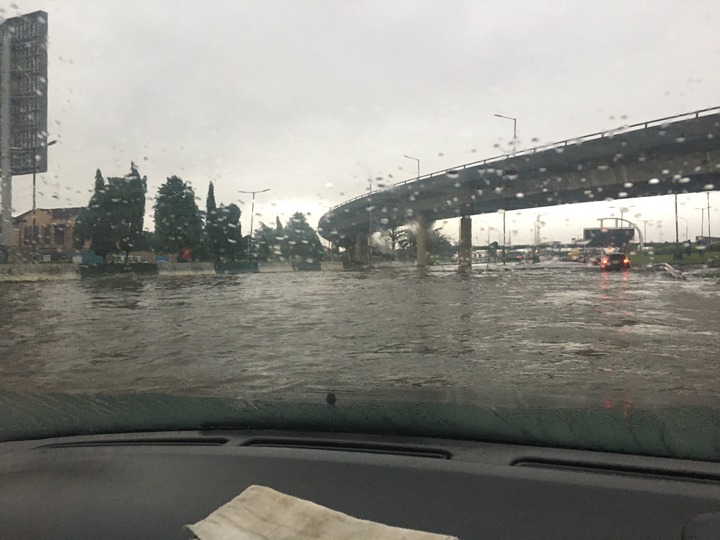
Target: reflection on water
621,336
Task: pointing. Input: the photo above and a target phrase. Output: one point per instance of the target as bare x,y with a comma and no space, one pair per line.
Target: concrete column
465,245
361,247
7,225
423,228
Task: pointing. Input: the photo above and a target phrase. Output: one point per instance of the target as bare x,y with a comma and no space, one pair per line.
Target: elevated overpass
678,154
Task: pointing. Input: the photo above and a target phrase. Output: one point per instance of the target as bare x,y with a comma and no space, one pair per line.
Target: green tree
89,226
265,242
222,227
282,248
113,220
303,242
213,232
393,234
178,223
438,245
211,239
231,243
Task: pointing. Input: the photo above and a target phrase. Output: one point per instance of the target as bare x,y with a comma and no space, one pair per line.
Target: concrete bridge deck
679,154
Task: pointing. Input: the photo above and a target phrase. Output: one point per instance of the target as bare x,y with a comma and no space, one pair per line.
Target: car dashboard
153,484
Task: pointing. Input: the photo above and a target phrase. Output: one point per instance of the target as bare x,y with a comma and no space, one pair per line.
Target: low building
48,232
706,240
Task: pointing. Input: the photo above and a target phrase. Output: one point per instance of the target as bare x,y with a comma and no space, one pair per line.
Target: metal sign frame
26,36
23,106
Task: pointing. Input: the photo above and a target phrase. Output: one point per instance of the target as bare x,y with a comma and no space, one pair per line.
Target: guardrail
542,148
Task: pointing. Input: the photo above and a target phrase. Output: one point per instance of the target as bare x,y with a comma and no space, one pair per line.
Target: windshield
380,217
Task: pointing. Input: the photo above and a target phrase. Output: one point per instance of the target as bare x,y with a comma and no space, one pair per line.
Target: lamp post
370,227
677,233
252,215
514,120
418,164
488,254
622,210
645,222
487,225
687,237
536,230
708,213
34,192
504,212
702,220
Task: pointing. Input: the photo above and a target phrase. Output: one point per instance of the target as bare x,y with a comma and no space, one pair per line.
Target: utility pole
34,205
5,129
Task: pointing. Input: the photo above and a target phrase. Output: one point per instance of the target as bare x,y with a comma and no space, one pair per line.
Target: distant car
614,261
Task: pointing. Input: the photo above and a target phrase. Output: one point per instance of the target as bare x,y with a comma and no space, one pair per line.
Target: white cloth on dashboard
261,513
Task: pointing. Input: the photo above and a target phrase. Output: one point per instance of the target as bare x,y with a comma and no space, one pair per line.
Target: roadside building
707,240
48,232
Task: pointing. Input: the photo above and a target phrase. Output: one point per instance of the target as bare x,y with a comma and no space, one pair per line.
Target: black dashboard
150,485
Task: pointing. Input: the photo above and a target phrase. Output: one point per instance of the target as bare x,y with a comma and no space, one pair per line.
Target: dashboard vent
623,470
179,441
349,446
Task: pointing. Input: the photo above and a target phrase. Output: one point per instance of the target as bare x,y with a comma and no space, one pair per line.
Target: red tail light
626,261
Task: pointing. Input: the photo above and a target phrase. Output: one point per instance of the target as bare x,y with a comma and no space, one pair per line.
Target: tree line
112,223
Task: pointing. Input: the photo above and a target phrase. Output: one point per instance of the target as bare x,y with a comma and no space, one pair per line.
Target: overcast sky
310,98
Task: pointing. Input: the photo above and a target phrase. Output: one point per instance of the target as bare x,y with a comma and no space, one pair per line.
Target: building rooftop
56,213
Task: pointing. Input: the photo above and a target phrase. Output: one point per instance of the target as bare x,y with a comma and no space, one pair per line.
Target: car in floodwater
614,261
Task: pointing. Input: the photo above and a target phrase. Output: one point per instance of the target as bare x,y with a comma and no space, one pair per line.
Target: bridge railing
545,147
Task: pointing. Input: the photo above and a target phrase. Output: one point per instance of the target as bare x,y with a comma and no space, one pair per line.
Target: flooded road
555,332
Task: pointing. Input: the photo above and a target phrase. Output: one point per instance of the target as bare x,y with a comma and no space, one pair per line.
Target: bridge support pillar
465,245
361,247
422,234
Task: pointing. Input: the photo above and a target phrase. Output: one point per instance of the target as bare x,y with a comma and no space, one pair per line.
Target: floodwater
561,332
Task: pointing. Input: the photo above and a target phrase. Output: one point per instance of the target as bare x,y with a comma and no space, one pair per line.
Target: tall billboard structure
23,105
607,236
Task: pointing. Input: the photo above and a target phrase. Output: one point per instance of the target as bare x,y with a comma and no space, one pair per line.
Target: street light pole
677,234
708,213
514,120
622,210
418,164
503,248
252,215
34,206
687,237
702,220
370,227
